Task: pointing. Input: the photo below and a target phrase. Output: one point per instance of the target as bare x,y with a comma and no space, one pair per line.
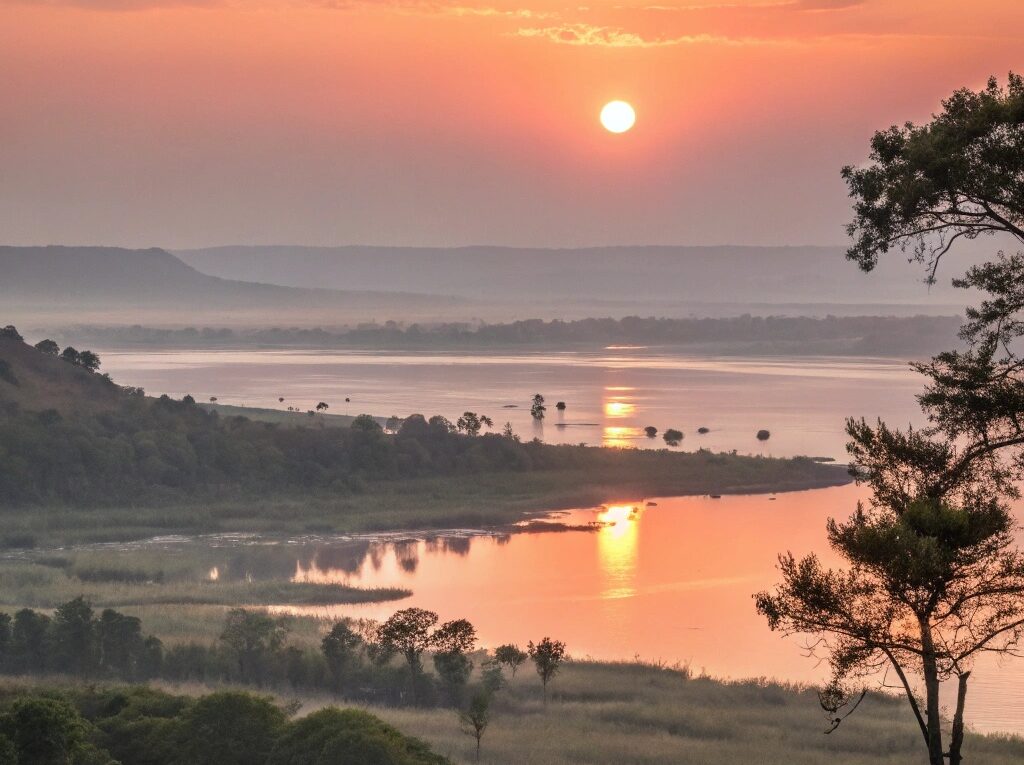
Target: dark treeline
144,726
831,334
153,449
142,448
76,641
358,661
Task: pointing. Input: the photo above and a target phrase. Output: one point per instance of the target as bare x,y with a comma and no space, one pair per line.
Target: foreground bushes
143,726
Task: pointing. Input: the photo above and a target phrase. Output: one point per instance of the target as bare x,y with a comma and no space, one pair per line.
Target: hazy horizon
191,124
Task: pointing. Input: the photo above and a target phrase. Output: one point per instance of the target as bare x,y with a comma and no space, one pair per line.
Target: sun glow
617,116
617,546
618,409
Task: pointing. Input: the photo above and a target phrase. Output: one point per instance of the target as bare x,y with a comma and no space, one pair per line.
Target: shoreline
491,501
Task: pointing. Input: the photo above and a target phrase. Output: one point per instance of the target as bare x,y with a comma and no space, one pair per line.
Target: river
666,579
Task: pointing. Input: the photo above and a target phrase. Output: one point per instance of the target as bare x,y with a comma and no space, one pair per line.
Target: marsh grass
32,585
610,714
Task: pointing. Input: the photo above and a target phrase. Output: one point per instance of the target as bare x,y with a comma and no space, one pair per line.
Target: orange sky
185,123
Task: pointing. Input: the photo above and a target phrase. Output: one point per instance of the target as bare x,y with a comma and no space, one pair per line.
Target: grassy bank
482,499
284,418
144,578
638,714
609,714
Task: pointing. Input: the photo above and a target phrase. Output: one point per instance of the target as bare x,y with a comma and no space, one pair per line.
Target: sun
617,116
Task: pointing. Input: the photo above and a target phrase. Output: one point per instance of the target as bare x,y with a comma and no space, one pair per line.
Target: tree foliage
143,726
957,177
934,578
537,408
472,423
511,656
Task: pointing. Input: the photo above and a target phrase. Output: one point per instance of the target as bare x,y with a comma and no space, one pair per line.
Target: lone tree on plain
560,406
511,656
472,423
537,408
477,716
763,435
651,431
323,406
547,656
935,579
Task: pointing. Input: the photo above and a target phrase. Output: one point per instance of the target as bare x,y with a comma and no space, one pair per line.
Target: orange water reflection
672,581
617,409
613,435
617,545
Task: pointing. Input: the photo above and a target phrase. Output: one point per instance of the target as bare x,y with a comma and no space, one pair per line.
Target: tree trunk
931,685
956,738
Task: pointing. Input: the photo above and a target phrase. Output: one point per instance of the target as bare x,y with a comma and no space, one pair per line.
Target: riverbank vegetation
427,679
85,458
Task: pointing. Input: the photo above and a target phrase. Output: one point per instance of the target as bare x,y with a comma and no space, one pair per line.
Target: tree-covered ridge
107,445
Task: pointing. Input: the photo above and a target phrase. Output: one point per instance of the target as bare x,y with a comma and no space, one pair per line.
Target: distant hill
55,283
36,381
683,279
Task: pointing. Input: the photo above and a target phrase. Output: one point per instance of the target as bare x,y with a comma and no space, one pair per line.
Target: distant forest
854,335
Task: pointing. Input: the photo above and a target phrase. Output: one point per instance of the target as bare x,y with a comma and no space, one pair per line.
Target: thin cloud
424,7
769,5
579,34
828,5
117,5
513,13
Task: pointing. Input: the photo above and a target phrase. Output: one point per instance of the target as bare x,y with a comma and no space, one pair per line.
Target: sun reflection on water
619,436
618,408
617,548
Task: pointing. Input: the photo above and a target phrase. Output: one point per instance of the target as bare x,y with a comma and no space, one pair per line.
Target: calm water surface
672,581
610,395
